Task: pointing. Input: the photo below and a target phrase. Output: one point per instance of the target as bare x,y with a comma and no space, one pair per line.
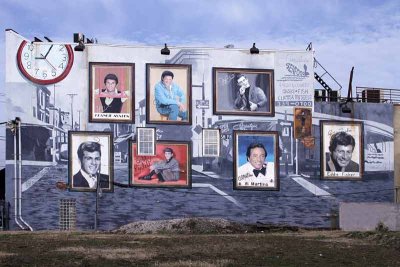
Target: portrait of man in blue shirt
170,98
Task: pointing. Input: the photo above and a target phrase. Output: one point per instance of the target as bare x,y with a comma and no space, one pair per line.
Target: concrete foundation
366,216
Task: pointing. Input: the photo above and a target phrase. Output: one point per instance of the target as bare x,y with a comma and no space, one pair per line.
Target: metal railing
363,94
377,95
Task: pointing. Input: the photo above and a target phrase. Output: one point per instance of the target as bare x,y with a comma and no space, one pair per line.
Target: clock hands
45,56
49,62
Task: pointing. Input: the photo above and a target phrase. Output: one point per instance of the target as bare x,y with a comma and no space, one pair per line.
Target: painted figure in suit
341,149
89,154
256,169
248,97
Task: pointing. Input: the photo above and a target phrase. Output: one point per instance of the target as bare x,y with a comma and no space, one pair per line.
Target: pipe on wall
16,210
20,178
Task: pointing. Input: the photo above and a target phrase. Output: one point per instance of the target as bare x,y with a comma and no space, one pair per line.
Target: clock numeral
61,48
30,47
61,66
36,71
64,58
28,65
44,74
53,73
26,56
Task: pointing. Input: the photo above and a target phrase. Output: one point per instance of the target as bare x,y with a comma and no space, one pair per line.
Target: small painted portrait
302,122
111,92
90,157
342,150
243,92
168,94
169,167
256,164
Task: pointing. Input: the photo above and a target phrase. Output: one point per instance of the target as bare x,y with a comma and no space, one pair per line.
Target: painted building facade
303,198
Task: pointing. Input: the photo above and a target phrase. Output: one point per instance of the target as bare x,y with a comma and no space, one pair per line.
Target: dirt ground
201,242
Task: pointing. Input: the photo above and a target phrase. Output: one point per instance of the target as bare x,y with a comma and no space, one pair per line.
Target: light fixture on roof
254,49
80,39
165,50
345,108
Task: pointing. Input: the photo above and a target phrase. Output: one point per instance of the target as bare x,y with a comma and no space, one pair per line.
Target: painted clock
45,63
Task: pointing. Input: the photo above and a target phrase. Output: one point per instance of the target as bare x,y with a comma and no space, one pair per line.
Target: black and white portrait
243,91
90,161
342,150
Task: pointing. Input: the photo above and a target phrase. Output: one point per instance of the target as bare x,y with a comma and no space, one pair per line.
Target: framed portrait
247,92
111,92
342,153
302,122
169,94
90,161
169,167
255,160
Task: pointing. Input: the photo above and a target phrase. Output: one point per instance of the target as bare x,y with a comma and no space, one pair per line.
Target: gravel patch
184,226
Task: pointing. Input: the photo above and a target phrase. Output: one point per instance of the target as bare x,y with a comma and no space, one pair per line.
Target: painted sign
294,77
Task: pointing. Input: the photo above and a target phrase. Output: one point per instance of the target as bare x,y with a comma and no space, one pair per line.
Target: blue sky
363,34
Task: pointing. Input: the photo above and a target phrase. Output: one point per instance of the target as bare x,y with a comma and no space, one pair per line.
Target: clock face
45,63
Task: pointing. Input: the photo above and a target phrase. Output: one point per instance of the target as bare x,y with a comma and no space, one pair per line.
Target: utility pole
54,105
79,114
72,110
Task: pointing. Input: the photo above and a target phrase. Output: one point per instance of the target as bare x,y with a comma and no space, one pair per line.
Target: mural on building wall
49,112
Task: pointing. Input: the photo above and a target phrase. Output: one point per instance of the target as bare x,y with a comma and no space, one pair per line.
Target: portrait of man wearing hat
166,170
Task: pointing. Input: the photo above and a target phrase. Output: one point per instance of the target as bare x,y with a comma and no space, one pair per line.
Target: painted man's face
243,82
110,85
257,157
168,155
342,155
167,81
91,162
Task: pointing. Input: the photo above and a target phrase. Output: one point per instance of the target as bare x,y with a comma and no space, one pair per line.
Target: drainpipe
20,177
16,210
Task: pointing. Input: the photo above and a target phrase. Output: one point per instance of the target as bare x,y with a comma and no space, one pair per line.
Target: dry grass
180,263
109,253
6,254
271,247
